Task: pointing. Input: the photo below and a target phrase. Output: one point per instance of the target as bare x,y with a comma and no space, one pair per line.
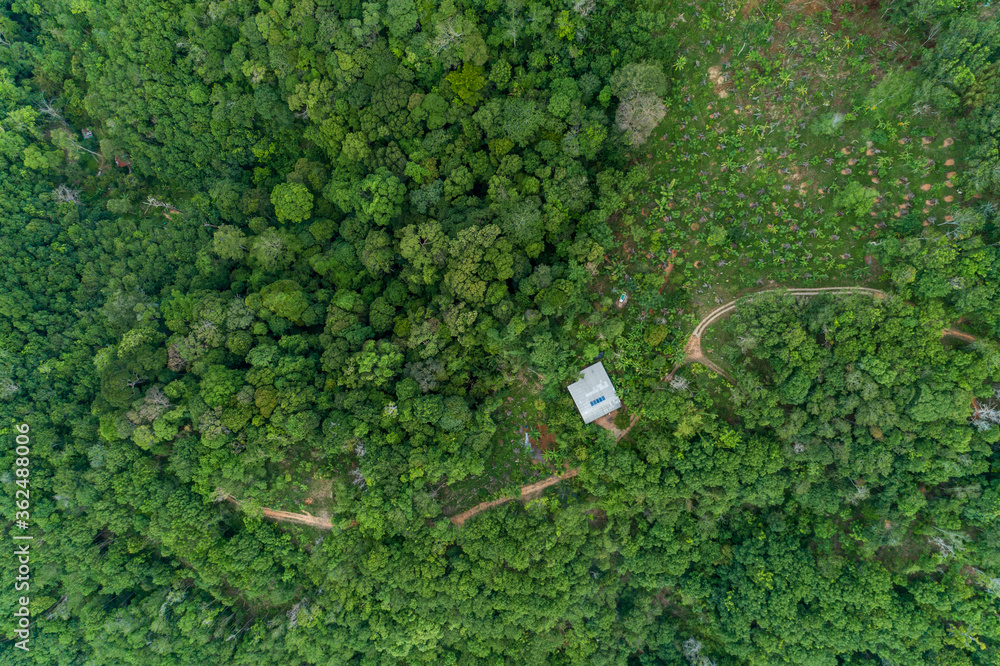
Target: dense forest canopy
334,263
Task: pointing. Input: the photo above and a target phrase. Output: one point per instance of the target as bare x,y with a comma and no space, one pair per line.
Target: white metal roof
594,395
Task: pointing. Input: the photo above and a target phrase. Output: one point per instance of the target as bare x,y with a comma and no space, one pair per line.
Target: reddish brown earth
528,492
608,423
288,516
546,439
670,268
952,333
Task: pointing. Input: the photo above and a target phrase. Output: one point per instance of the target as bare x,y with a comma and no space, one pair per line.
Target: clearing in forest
783,155
516,456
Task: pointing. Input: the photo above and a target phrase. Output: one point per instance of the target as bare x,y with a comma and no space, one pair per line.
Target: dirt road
534,489
528,492
694,354
952,333
286,516
692,350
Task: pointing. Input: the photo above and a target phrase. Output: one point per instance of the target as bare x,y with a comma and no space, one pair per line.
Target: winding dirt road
692,349
694,354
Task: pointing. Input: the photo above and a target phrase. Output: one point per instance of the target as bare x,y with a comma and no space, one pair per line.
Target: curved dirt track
723,310
692,350
694,354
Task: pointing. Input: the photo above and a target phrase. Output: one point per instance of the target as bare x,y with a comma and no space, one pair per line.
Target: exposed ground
608,423
952,333
528,491
693,352
286,516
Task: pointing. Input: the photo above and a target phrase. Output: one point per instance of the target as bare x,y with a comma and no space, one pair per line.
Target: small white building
594,395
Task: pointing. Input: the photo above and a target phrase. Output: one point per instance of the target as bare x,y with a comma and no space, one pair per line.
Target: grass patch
789,155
